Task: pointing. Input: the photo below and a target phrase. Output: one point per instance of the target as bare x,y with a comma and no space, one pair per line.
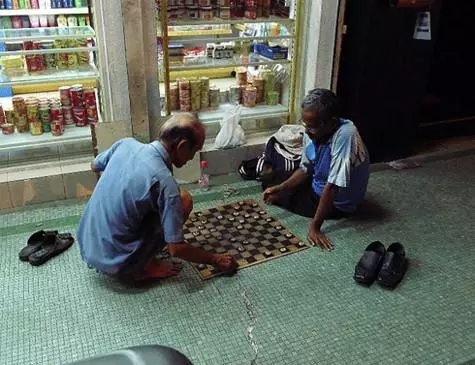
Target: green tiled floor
304,308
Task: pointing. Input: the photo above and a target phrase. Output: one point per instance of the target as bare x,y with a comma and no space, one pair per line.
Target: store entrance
448,108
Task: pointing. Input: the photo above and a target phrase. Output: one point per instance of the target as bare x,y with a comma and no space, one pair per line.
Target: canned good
7,128
44,114
225,12
249,97
10,117
192,12
251,13
46,126
205,2
79,115
91,112
36,128
89,97
206,13
67,115
241,76
214,97
57,128
77,96
55,113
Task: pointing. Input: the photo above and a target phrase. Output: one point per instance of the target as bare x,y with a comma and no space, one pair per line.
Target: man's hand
317,238
271,195
226,263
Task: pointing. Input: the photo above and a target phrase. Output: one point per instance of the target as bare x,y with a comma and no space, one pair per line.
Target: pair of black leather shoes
44,245
386,266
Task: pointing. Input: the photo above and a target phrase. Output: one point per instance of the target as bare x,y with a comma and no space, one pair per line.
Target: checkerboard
242,229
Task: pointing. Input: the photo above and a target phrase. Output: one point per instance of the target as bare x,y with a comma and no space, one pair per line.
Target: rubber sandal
51,248
34,243
366,271
394,266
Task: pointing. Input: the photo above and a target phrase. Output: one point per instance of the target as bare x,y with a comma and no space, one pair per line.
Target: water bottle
203,181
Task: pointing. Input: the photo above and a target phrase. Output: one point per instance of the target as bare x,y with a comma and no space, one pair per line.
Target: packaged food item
249,97
241,76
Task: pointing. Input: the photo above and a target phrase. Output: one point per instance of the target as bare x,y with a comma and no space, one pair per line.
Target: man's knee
186,202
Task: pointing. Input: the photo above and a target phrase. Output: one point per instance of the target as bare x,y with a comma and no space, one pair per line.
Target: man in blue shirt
137,208
337,162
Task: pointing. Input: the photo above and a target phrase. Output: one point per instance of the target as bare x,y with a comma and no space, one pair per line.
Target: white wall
319,44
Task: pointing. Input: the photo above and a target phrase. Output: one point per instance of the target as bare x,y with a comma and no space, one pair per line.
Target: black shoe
51,248
394,266
34,243
366,271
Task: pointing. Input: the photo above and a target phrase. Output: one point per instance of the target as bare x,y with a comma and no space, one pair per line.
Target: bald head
184,126
182,135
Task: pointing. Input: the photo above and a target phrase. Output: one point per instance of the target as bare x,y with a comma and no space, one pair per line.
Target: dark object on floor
366,271
51,248
394,266
144,355
34,243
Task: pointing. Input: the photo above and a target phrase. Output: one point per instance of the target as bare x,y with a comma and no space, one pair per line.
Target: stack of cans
66,108
174,97
214,97
258,83
45,116
235,95
19,110
204,92
195,86
91,105
33,116
185,95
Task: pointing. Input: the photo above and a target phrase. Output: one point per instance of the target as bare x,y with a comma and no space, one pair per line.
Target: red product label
56,128
55,113
79,115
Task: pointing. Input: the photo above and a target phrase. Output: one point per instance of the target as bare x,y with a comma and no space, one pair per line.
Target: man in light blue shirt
137,208
337,162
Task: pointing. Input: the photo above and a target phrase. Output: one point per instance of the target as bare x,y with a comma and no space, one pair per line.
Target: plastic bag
231,133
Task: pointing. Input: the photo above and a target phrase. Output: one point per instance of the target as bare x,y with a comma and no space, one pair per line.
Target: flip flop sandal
51,248
394,266
34,243
366,271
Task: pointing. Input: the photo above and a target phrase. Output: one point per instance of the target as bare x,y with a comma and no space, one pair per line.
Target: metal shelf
37,34
53,76
49,51
259,112
226,39
56,11
229,62
273,19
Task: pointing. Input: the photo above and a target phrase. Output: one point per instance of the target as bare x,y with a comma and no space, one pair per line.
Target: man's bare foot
160,269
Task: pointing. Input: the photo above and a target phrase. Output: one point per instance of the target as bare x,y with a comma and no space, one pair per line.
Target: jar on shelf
218,52
192,12
224,3
206,13
228,51
204,3
210,49
225,12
